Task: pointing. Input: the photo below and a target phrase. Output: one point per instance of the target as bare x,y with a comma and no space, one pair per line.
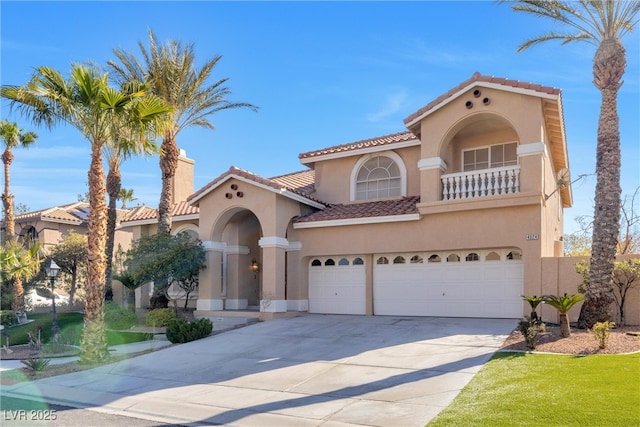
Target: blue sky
322,74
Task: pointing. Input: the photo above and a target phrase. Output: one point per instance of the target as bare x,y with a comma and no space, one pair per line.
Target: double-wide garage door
485,283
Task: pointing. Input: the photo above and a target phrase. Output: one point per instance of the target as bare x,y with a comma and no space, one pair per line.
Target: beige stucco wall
333,177
559,276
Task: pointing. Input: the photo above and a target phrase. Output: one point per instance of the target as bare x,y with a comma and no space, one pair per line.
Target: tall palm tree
122,146
125,195
601,23
172,72
87,102
12,136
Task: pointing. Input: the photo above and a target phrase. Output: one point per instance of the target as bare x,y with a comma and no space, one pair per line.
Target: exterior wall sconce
255,267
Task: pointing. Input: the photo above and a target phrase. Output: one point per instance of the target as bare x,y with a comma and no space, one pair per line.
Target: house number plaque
532,237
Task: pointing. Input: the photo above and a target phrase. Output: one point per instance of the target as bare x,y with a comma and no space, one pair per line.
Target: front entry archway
241,285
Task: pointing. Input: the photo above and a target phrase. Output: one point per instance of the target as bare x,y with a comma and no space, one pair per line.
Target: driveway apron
311,370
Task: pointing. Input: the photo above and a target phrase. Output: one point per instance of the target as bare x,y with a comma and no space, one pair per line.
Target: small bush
118,318
159,317
8,317
600,331
181,331
530,330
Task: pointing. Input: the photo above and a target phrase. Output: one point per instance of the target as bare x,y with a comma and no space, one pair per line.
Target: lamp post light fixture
52,269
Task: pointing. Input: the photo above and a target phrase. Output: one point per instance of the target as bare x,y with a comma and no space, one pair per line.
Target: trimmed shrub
530,330
117,317
600,331
8,317
181,330
159,317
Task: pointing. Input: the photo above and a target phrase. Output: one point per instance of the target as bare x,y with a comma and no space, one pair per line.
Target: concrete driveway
312,370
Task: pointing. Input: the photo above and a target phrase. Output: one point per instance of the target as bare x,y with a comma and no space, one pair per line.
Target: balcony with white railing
481,183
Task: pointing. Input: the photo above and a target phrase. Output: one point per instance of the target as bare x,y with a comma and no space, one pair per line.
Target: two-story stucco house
451,217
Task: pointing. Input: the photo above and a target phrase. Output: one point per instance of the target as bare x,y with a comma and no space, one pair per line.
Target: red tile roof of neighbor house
365,143
76,213
143,213
403,206
477,77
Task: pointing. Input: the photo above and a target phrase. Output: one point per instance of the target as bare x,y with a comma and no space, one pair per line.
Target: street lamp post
52,269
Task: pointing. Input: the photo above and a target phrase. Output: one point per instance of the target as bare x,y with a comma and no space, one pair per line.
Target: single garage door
474,283
337,285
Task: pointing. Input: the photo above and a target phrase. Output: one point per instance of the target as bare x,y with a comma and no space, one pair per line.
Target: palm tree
12,136
171,70
118,149
563,304
601,23
18,263
125,195
87,102
534,302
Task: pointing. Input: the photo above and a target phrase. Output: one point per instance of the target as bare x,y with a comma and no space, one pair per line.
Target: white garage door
462,284
337,285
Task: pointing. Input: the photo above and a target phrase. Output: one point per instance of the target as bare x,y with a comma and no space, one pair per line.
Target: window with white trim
377,178
494,156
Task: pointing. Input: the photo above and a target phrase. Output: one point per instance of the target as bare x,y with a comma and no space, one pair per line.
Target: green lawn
519,389
70,325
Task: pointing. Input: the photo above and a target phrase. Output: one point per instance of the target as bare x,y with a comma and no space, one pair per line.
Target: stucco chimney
183,180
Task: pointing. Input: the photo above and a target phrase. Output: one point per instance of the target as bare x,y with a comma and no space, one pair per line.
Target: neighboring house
49,226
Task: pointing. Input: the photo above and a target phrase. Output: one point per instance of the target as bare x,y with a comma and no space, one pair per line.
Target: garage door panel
452,289
337,289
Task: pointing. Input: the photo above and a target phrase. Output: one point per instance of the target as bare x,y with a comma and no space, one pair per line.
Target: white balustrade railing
481,183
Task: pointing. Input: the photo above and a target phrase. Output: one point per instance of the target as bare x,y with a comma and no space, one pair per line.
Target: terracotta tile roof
143,213
365,143
404,206
77,213
300,183
477,77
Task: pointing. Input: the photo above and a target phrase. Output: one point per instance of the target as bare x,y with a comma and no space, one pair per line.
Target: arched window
343,261
453,258
416,259
30,234
399,260
434,258
358,261
316,263
472,257
514,255
493,256
378,176
330,262
382,260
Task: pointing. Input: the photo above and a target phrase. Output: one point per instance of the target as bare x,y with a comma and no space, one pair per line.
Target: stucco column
297,295
273,274
210,291
430,171
531,160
